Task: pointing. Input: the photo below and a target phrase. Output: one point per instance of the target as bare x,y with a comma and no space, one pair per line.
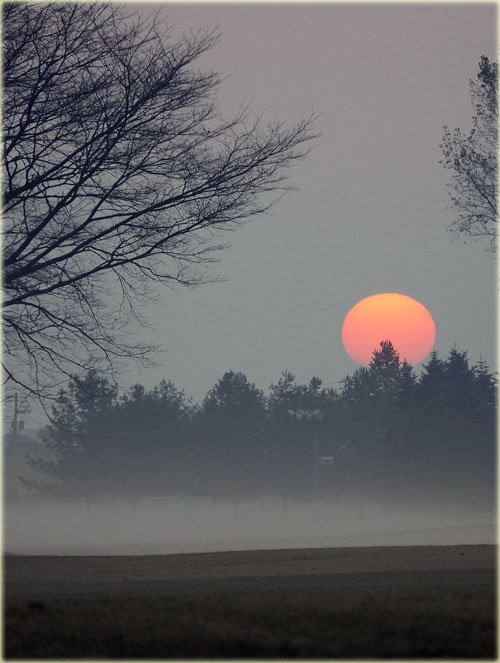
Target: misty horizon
163,379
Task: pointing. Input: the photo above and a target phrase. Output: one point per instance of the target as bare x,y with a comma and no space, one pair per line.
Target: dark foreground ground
383,602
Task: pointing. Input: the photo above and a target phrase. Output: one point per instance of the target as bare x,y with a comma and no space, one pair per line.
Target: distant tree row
386,432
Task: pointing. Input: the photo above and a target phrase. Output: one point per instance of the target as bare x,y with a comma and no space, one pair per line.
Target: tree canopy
472,160
120,173
386,432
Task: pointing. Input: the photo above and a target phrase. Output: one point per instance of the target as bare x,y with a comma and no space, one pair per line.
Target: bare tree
119,174
472,158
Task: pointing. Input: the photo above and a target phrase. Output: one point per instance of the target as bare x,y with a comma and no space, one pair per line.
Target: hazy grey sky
370,212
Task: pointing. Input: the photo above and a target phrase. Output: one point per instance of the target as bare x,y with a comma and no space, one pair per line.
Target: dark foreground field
415,602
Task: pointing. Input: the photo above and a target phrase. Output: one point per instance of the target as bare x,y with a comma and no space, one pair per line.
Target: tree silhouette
472,160
230,426
80,454
377,419
391,436
456,426
150,439
119,175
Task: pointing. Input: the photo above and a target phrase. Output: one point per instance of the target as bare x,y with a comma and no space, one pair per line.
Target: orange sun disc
388,316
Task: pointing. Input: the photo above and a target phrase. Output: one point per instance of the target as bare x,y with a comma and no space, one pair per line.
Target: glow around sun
388,316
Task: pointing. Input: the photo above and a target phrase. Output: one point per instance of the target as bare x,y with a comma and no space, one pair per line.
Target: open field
418,601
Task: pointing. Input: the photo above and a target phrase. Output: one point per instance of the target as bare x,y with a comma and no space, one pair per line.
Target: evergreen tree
79,440
391,435
485,385
457,426
153,429
295,441
377,419
231,424
284,395
432,379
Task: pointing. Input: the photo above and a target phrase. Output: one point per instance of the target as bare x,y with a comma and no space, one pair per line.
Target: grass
422,622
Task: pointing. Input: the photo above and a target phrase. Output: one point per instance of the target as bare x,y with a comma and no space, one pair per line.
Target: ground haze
176,524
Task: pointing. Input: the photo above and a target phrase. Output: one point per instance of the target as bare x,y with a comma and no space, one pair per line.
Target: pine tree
78,442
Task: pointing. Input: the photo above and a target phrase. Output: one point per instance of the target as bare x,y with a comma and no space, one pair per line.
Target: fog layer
169,525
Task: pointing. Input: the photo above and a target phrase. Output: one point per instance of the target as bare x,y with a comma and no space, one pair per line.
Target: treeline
386,432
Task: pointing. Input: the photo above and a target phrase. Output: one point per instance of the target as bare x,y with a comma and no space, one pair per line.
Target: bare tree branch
472,159
119,175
